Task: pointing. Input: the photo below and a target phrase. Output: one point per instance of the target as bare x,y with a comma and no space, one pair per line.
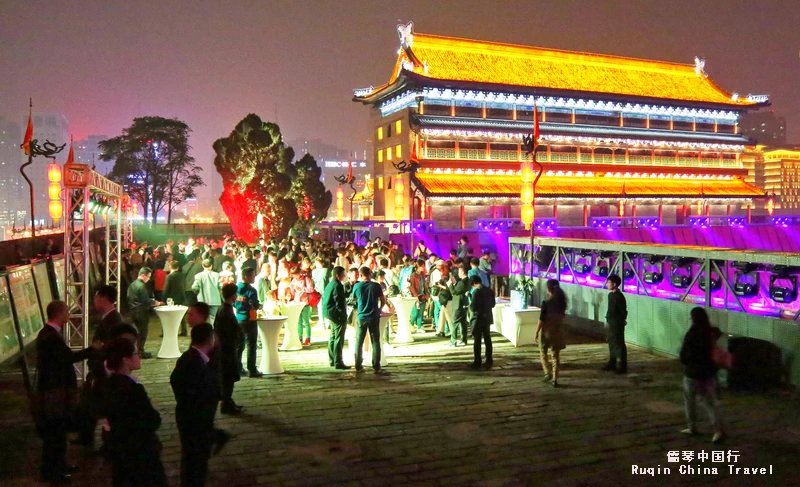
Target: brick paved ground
433,422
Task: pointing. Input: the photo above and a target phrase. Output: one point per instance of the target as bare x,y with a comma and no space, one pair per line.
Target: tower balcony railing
583,158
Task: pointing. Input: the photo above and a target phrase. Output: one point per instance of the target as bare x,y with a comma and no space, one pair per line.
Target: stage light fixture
783,294
715,280
627,274
679,279
653,277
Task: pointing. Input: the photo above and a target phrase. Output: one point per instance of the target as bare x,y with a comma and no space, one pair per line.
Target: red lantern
621,208
56,209
527,215
54,191
54,173
526,193
770,206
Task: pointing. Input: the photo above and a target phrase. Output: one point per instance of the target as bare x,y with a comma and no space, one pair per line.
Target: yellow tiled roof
596,186
454,59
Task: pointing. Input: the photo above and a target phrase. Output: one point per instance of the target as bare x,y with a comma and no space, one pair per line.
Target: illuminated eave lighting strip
515,172
611,199
571,139
409,99
577,103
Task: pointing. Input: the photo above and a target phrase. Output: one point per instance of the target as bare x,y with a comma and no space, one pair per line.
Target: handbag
314,298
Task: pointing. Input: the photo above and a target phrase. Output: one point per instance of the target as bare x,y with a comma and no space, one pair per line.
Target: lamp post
349,180
528,189
409,168
49,150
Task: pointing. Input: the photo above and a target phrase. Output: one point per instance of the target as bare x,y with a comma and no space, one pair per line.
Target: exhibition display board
43,287
58,267
9,339
26,303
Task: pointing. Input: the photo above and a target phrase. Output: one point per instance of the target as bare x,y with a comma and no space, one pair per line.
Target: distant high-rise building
334,162
10,178
767,128
88,152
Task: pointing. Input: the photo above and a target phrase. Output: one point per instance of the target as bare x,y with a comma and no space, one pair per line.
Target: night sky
210,63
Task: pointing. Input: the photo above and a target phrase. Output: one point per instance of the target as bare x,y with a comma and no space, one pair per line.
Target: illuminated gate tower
620,136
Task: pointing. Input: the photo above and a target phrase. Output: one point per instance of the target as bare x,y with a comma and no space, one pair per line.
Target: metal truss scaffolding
81,186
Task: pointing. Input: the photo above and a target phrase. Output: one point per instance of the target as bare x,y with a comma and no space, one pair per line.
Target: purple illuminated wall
761,237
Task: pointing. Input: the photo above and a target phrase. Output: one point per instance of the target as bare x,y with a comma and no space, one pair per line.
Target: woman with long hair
301,286
551,328
700,373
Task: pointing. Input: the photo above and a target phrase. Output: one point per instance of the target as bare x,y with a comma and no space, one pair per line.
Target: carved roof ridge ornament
699,67
406,35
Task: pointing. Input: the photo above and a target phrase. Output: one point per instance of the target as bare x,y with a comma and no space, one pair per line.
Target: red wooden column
585,215
660,213
463,218
749,213
555,211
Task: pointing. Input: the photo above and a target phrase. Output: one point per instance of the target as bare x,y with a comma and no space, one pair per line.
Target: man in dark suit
174,289
460,288
616,318
197,392
140,301
228,337
133,446
105,299
481,306
190,269
57,387
334,311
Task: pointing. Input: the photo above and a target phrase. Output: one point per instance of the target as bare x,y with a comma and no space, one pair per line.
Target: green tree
257,171
152,161
309,193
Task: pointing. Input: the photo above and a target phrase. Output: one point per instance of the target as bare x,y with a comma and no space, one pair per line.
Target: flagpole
30,184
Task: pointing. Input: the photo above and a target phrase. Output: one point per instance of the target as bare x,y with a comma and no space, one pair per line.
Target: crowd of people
292,271
226,284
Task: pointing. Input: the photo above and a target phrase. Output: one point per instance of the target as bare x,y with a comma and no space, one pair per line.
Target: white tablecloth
170,317
268,330
290,339
519,325
403,307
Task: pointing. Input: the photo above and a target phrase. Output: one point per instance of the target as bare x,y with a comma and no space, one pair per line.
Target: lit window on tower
389,154
380,133
380,156
398,151
398,126
380,182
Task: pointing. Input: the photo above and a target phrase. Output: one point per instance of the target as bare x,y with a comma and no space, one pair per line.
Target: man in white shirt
208,286
389,275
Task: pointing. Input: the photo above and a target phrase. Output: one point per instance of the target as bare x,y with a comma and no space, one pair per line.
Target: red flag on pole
535,125
350,171
26,142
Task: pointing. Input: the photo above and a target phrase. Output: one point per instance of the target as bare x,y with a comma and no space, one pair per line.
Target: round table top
272,318
172,308
402,298
294,305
